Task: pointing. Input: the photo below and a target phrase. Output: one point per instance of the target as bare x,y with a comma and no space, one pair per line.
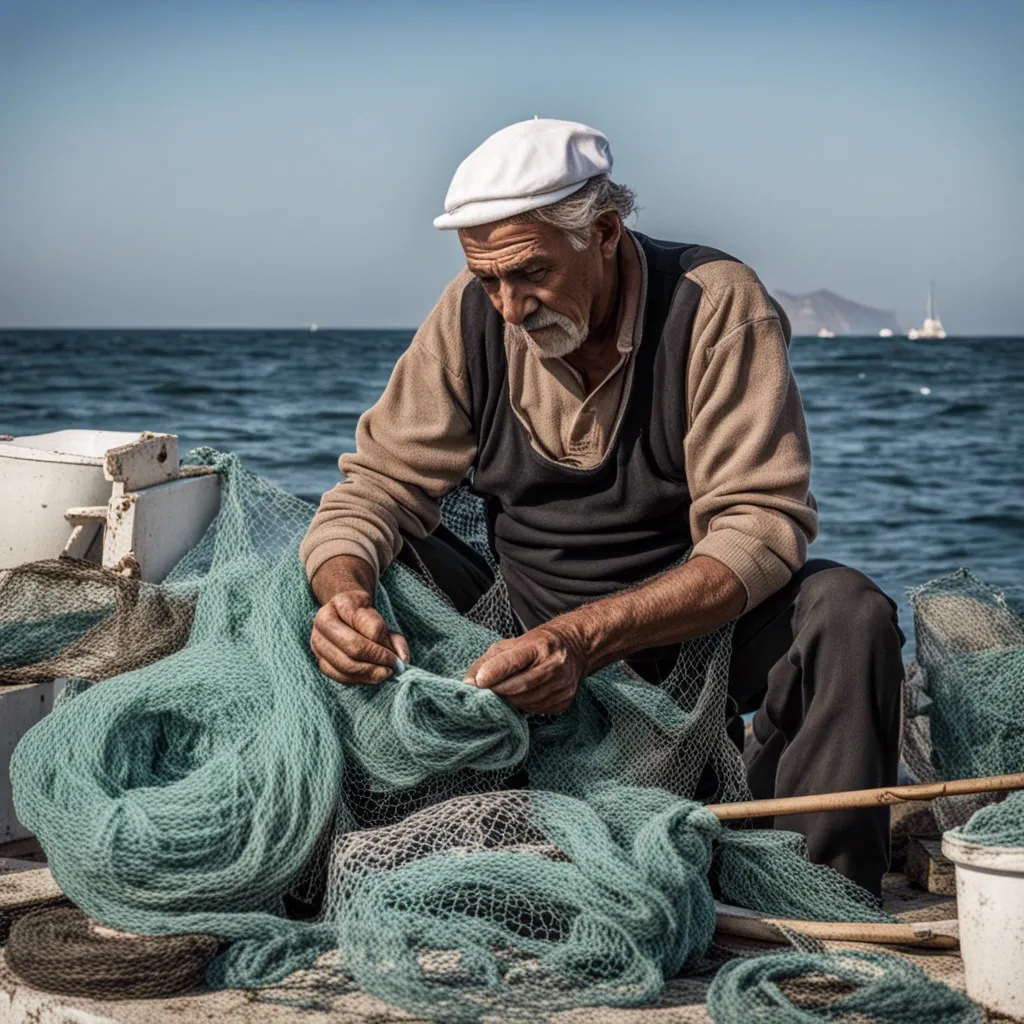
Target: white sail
932,327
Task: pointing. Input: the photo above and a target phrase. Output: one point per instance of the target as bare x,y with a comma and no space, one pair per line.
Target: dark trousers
818,663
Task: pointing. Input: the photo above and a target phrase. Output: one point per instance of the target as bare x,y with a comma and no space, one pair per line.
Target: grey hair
575,215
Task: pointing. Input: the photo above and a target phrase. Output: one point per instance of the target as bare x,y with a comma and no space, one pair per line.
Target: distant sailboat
932,327
885,332
824,332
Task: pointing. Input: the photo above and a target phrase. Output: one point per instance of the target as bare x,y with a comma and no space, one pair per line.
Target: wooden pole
864,797
750,925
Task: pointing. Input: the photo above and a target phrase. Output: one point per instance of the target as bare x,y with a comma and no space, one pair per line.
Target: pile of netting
849,986
964,702
200,775
998,824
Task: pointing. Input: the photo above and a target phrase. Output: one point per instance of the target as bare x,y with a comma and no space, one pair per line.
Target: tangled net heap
998,824
964,702
207,790
850,986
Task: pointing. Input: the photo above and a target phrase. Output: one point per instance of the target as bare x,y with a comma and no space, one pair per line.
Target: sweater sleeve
412,447
748,456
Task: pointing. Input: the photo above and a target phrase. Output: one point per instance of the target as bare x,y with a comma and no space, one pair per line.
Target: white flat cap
523,167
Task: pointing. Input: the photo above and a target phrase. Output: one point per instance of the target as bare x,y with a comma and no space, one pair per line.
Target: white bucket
990,906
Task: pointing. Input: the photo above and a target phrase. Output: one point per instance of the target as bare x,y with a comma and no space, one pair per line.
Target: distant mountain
809,313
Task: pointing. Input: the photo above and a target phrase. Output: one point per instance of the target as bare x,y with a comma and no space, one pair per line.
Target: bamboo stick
750,925
864,797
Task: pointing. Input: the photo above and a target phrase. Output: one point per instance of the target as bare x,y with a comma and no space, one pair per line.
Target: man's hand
350,638
537,672
540,671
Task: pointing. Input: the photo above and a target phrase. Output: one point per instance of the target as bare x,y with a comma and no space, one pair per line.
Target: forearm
687,601
343,573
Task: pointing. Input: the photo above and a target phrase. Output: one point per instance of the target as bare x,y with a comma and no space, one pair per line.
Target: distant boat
824,332
932,327
313,328
885,332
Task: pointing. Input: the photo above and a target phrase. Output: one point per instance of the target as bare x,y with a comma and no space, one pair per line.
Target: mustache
545,317
565,336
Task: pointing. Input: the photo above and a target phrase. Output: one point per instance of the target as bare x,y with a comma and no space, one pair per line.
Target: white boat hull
41,477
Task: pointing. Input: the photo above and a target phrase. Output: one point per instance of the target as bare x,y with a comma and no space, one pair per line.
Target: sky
276,162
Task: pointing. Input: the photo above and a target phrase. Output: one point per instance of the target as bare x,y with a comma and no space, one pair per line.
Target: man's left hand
537,672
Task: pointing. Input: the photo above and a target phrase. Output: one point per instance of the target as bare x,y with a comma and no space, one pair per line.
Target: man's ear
608,226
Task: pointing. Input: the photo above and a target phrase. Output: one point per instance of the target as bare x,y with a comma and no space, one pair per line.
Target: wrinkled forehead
505,248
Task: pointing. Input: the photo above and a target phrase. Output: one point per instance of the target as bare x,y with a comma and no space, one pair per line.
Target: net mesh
852,986
964,696
998,824
202,776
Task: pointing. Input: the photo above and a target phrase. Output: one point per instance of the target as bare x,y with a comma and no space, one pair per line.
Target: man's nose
515,306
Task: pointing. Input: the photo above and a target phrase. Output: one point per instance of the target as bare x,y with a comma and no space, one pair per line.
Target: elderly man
617,400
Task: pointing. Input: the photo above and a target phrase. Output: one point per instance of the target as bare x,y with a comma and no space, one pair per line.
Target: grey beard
564,338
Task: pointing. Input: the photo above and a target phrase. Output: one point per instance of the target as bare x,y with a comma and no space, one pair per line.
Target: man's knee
843,608
838,597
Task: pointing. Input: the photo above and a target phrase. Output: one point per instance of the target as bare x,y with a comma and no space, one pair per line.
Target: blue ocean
918,446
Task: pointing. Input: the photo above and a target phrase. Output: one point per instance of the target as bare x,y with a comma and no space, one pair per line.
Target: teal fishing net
998,824
803,987
204,776
964,699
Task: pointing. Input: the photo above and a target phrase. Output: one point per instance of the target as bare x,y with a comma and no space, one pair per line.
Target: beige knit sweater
746,450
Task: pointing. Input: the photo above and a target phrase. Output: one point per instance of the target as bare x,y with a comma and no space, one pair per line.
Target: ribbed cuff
328,549
759,569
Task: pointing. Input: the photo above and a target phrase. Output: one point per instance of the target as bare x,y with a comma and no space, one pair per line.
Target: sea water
918,446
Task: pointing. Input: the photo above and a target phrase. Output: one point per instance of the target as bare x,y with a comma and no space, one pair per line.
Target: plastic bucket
990,906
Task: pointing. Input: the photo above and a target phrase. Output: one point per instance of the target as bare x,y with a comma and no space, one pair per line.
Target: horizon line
320,328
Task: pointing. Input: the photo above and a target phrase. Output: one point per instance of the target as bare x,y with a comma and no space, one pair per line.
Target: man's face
544,289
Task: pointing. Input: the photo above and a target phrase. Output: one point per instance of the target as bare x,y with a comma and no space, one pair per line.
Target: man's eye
488,282
534,276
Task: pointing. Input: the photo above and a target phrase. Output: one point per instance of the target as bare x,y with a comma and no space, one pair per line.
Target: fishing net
964,697
998,824
69,618
850,986
62,951
203,777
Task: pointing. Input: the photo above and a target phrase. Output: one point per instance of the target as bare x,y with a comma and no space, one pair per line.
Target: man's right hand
350,639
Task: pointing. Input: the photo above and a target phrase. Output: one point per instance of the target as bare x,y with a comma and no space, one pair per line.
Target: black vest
564,536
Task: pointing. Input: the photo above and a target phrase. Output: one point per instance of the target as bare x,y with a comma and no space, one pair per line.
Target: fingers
338,665
352,642
492,669
523,682
550,697
543,690
534,673
368,622
355,644
552,704
401,647
495,648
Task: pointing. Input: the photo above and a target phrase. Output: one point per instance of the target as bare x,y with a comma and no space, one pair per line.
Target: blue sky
274,162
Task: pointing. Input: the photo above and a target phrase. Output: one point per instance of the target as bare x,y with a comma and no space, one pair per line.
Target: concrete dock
298,999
